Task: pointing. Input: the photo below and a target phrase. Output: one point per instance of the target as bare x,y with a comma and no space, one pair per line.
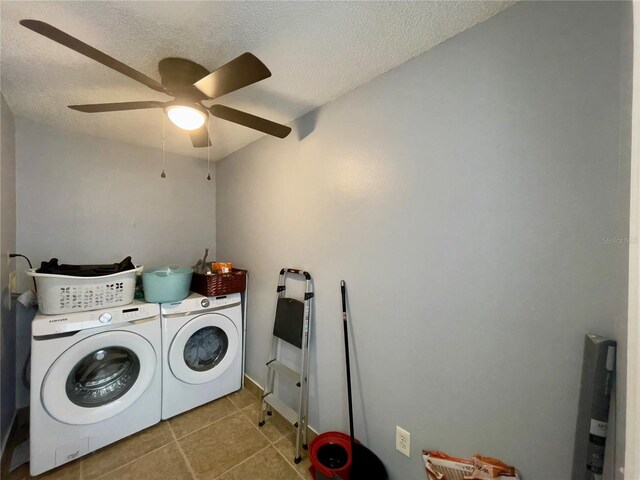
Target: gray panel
598,367
289,321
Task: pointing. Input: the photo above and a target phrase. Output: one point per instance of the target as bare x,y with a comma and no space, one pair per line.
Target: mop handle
346,353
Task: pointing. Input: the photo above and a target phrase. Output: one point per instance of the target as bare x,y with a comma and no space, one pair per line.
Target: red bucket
330,455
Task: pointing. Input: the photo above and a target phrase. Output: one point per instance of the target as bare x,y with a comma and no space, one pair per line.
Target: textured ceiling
316,51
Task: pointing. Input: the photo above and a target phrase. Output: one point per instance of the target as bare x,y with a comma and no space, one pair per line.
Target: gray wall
84,199
7,244
470,200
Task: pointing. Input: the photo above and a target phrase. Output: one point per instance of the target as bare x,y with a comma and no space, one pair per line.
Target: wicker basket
221,284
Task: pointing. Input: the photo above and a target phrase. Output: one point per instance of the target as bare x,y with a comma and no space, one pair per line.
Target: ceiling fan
189,83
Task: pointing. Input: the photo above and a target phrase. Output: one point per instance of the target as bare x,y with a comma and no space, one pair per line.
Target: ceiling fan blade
200,137
239,72
251,121
67,40
116,107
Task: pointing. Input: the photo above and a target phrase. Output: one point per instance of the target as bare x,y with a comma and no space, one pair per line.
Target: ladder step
286,372
282,408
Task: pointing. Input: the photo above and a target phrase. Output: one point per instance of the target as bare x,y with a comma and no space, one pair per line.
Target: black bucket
329,456
330,461
333,456
365,465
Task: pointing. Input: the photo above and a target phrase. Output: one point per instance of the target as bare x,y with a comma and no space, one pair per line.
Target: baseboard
256,389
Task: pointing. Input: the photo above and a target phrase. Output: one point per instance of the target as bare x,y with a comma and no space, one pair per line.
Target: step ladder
291,325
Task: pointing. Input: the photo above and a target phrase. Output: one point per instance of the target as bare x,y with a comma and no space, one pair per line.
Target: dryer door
98,377
204,348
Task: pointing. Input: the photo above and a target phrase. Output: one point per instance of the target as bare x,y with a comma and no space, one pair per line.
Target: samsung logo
53,320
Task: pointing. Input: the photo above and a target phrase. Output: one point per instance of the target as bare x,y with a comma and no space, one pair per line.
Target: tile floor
220,440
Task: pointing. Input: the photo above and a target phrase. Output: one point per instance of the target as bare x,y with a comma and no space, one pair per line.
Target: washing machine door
98,377
204,348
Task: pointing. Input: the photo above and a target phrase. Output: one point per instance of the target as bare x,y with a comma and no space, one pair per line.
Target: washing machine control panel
71,322
198,303
224,301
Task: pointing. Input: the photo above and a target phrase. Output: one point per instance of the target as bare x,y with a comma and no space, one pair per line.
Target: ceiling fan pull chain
208,152
163,175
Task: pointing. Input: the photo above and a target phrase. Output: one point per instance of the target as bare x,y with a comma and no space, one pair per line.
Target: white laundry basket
67,294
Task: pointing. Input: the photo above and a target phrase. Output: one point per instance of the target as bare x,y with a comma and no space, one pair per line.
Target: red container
330,453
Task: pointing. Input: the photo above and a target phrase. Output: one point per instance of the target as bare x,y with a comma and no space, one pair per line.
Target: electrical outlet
403,441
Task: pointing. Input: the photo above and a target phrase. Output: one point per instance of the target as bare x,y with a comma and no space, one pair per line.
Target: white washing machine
95,378
202,351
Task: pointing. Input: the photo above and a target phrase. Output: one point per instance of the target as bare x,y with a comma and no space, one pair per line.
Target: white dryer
95,378
202,351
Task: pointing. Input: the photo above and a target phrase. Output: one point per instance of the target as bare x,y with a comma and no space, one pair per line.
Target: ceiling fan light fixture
187,118
186,81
